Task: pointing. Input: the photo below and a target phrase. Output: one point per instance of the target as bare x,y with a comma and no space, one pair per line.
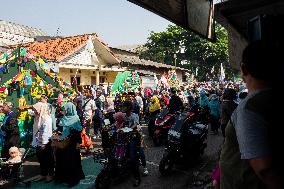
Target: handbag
56,142
86,141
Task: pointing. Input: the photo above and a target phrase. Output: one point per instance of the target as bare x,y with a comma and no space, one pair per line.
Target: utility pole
57,31
176,47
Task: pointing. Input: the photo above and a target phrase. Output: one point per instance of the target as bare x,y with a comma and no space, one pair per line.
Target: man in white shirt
94,93
100,95
139,101
89,108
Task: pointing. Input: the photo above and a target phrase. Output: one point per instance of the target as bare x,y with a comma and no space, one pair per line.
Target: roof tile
58,48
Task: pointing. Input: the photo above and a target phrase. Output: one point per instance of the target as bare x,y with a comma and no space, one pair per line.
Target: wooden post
97,78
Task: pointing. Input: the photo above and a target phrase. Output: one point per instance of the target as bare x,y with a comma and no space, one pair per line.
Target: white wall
82,57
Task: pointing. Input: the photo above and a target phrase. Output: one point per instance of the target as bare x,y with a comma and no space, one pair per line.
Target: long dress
68,167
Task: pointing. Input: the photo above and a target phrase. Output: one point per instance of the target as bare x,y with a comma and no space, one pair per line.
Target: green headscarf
70,120
203,99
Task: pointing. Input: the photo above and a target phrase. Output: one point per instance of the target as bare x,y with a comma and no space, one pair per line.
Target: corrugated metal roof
136,60
18,29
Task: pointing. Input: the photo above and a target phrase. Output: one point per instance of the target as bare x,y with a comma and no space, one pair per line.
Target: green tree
191,51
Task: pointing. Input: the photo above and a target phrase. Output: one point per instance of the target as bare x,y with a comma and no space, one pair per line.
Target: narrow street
194,177
179,179
79,79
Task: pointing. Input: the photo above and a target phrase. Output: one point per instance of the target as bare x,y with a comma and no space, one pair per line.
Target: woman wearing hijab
119,120
203,99
203,103
228,105
154,109
214,107
68,160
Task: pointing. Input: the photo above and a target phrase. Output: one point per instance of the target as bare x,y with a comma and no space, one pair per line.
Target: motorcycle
203,114
151,122
163,123
107,132
186,141
116,163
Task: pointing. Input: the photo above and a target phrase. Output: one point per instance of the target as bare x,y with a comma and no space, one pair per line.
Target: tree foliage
191,51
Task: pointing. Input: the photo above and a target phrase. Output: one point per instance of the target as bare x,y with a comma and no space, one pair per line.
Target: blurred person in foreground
251,157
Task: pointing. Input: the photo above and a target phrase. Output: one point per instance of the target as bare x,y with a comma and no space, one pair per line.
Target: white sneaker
145,171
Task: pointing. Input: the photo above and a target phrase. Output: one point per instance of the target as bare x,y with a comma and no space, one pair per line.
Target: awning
194,15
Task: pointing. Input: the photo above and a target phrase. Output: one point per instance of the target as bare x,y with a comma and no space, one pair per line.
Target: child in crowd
15,156
6,168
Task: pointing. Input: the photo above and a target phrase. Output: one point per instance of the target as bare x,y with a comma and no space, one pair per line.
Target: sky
117,22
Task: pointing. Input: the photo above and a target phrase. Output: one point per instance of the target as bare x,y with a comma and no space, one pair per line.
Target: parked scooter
163,123
116,163
186,141
107,132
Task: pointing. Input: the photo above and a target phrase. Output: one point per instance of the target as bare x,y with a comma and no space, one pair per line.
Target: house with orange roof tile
83,57
88,60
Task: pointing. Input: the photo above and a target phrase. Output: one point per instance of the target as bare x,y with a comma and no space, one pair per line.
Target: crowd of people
245,117
81,117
